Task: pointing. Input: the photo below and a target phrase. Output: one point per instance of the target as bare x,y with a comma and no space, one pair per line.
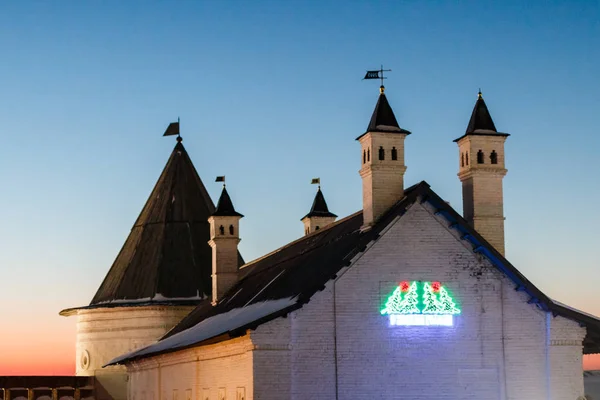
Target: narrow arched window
462,159
381,153
368,154
231,229
222,230
394,153
467,158
364,156
494,157
480,157
317,228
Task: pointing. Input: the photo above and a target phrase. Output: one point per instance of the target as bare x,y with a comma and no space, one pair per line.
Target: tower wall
313,224
105,333
224,233
383,180
483,199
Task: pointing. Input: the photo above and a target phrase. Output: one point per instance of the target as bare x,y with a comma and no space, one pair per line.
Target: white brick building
404,299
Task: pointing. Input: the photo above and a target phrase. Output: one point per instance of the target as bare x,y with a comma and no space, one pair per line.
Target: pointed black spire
383,118
319,207
481,122
225,206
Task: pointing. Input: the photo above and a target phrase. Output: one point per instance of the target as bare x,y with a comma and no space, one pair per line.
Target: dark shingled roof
383,119
166,258
303,267
319,207
481,123
225,206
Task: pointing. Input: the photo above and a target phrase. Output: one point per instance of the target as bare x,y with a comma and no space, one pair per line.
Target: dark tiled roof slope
303,267
319,207
166,259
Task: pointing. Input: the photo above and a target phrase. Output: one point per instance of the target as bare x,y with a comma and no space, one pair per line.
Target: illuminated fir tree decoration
430,301
392,306
411,299
436,306
446,303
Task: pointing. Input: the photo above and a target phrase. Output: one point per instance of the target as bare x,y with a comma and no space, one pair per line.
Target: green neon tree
392,306
409,304
447,304
432,304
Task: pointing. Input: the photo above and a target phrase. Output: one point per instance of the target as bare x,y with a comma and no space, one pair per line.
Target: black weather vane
377,74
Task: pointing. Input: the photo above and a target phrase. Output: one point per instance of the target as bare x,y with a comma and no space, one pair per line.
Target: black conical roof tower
383,118
319,207
225,206
481,122
166,258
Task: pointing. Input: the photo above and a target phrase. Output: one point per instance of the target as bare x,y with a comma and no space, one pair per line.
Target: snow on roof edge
210,327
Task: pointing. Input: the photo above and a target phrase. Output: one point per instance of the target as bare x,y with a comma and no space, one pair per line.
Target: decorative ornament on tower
319,216
481,171
224,240
382,158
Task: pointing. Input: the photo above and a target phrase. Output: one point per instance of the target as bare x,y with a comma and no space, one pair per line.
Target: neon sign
435,308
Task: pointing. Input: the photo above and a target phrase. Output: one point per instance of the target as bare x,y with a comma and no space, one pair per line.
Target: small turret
382,160
481,171
224,239
319,215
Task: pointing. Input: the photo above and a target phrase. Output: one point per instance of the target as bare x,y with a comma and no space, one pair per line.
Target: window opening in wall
222,230
480,157
222,394
494,157
364,156
188,394
462,159
175,394
368,154
394,154
317,228
240,393
231,229
381,153
467,158
205,394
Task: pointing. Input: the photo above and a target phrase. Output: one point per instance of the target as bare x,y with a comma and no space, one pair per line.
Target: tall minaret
481,170
382,159
319,216
224,239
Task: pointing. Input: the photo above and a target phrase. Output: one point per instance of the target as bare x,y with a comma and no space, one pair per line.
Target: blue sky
270,95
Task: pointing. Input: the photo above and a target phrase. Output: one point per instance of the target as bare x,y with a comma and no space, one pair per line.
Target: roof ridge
305,237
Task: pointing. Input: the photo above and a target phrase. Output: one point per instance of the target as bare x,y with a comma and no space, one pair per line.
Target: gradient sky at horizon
270,95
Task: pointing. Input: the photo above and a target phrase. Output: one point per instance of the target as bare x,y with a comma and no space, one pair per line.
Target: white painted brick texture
500,348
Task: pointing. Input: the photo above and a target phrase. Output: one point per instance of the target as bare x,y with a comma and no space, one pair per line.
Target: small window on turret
394,154
368,154
494,157
467,158
462,159
364,156
480,157
231,229
222,230
381,153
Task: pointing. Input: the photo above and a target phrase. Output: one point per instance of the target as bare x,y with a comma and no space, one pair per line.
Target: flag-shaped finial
221,179
377,74
173,129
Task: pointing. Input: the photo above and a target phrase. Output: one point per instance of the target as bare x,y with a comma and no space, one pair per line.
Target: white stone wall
105,333
339,346
200,373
